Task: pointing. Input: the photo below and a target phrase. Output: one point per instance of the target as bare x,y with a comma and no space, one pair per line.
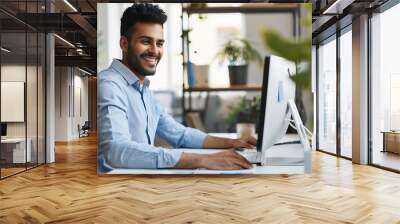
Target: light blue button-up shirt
129,118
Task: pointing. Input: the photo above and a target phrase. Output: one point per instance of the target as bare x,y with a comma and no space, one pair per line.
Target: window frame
333,37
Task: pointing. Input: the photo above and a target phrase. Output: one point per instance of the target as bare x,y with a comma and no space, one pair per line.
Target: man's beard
135,64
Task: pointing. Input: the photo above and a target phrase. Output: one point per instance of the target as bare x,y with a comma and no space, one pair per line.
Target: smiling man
129,117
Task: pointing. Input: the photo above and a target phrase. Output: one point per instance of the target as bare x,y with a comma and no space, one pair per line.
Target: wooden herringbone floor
70,191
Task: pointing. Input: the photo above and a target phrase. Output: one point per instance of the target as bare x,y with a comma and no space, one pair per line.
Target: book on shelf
190,74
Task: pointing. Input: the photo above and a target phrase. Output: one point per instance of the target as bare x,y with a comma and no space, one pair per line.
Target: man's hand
244,142
226,160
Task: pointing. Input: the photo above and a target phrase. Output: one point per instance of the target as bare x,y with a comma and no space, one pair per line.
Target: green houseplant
239,52
244,113
297,50
293,49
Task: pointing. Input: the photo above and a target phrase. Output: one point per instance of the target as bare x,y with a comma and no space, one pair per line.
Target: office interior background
358,86
48,117
48,83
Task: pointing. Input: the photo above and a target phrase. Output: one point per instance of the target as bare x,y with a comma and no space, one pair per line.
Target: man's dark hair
141,12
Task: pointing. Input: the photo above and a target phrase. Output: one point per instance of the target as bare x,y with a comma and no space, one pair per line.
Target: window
385,86
327,96
346,93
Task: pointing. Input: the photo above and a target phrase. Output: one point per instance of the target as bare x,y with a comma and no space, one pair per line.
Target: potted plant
297,50
239,52
244,116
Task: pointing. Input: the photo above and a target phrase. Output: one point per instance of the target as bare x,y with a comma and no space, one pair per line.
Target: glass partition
13,105
22,89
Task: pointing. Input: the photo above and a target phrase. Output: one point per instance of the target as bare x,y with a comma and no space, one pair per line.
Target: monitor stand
303,133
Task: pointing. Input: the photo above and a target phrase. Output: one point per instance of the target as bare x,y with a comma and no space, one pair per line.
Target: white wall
17,73
61,103
67,116
281,22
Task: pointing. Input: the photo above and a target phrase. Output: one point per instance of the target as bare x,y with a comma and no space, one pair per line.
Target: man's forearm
217,142
190,161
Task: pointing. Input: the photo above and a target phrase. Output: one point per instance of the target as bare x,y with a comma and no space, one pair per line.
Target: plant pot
237,74
245,129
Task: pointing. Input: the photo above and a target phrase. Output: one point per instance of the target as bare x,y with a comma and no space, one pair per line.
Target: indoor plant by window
239,52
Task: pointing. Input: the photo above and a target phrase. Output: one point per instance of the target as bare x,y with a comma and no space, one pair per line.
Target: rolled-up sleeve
115,145
177,134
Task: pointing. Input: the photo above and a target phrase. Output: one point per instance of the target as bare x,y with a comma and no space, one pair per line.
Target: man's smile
150,60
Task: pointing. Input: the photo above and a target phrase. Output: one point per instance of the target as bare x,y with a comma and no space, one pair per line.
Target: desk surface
287,159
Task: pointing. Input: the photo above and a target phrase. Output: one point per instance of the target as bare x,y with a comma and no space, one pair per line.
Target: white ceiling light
70,5
5,50
65,41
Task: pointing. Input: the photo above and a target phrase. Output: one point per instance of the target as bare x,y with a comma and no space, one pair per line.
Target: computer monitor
3,129
277,90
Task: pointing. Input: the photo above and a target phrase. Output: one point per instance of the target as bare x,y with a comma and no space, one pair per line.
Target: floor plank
70,191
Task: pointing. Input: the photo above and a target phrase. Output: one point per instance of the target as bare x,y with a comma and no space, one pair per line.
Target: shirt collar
128,75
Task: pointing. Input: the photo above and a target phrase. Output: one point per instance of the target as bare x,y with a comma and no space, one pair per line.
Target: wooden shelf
248,87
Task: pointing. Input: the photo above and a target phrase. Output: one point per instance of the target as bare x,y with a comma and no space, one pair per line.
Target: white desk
282,159
16,146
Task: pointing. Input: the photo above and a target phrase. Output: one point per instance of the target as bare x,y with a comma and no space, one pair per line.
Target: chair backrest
86,125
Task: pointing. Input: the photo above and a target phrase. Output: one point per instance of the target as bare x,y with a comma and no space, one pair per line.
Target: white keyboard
252,155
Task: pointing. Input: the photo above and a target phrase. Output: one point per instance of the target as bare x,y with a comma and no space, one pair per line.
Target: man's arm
175,133
226,160
224,143
180,136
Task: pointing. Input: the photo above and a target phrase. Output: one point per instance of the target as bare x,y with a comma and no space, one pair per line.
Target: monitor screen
261,117
277,90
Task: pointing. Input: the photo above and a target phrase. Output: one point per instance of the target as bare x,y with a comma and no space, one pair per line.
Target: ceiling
74,21
330,15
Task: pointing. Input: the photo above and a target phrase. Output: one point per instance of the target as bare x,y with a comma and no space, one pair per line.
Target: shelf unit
293,9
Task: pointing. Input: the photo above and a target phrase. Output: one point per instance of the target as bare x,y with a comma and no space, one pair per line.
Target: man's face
145,48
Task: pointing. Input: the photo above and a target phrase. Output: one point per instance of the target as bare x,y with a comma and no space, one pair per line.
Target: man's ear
123,43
